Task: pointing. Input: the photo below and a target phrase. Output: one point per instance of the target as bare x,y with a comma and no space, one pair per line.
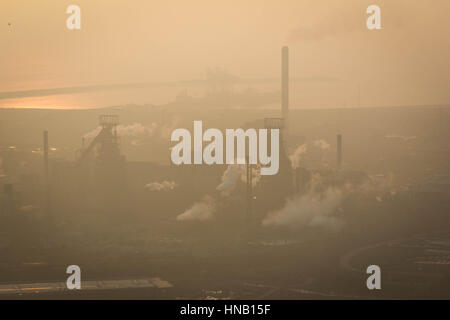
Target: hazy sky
140,40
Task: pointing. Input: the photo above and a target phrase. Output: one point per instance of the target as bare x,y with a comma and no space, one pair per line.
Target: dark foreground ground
416,267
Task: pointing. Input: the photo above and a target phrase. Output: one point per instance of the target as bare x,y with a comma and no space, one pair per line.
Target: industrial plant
96,188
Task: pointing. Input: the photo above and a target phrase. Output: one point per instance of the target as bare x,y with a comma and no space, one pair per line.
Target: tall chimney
249,202
285,86
46,180
339,151
46,156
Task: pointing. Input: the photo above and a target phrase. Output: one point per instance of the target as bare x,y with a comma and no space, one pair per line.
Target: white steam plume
322,144
298,153
138,130
200,211
311,209
161,186
296,156
230,178
232,175
320,205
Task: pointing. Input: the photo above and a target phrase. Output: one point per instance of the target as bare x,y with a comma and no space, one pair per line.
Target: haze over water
405,63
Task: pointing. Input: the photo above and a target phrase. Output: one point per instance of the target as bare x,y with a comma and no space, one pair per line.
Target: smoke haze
405,63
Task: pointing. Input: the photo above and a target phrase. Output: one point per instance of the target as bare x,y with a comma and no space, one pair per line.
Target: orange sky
138,40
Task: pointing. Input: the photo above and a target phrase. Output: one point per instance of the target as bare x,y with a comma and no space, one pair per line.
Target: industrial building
119,206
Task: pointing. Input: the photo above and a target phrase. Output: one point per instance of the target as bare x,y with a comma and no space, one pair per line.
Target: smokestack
46,182
249,199
8,207
339,151
46,157
285,85
296,180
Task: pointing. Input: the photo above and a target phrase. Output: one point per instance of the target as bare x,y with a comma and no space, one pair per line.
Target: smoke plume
309,210
295,157
161,186
322,144
200,211
138,130
298,153
230,178
235,173
320,205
